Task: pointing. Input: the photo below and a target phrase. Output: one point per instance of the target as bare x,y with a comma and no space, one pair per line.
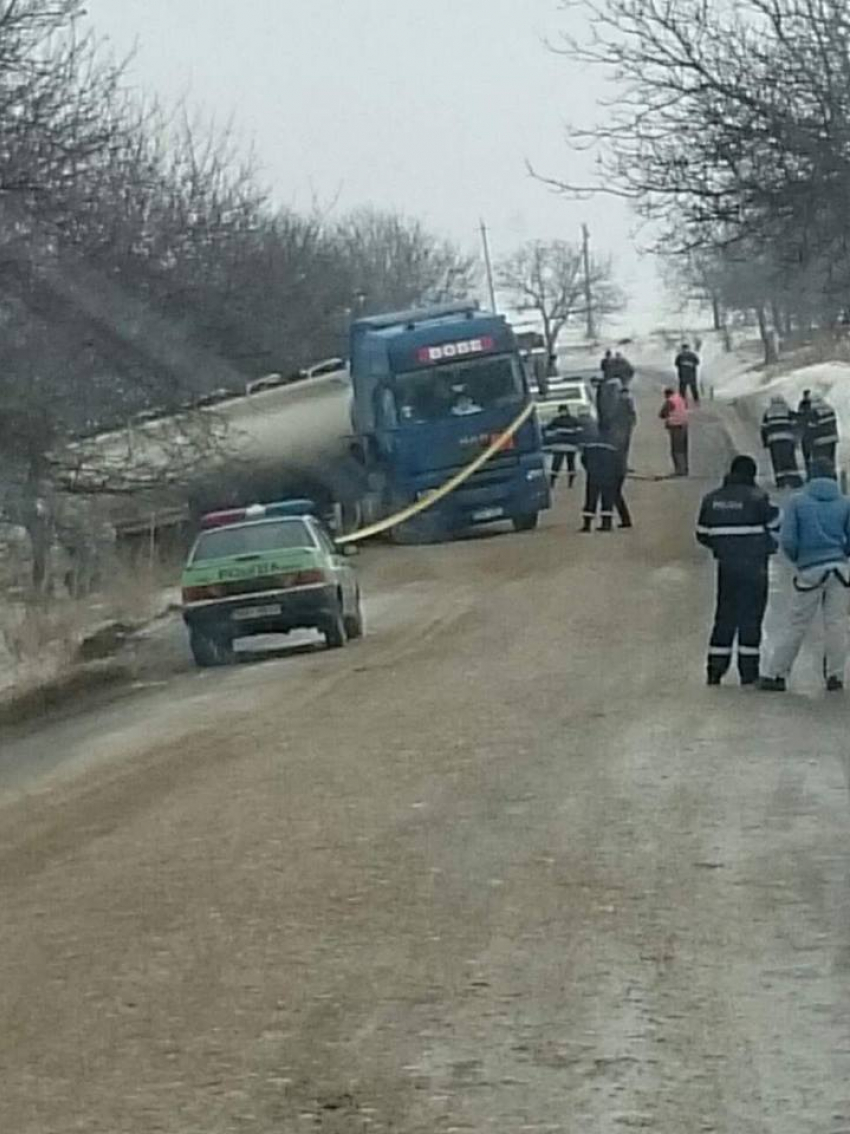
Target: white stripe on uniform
740,529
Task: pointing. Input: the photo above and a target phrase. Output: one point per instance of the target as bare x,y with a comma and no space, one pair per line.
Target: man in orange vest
674,414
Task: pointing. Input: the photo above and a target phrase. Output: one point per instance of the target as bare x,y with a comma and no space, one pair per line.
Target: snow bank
830,379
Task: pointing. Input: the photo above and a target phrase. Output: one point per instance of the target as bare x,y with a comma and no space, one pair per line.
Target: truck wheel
334,631
526,522
354,623
209,651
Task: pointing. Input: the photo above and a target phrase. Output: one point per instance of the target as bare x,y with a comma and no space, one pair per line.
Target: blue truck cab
431,390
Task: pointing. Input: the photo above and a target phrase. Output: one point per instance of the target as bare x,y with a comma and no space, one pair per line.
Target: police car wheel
209,652
354,623
334,631
526,523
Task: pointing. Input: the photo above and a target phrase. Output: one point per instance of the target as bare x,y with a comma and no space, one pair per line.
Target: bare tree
547,277
728,125
141,266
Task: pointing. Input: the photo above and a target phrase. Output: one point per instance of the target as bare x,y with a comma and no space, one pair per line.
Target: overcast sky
429,108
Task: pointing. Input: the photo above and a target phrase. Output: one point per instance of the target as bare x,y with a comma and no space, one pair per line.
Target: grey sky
427,108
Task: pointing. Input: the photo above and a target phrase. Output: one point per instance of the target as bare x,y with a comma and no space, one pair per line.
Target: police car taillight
202,593
309,578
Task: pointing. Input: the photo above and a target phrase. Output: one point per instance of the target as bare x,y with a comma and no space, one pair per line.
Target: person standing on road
623,422
778,436
562,437
822,431
802,417
607,399
687,367
736,523
603,463
622,369
815,536
605,365
674,414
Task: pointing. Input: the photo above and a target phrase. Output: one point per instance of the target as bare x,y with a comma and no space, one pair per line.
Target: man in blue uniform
605,466
738,523
687,365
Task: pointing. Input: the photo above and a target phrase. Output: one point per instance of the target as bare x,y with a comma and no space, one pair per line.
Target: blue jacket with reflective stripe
816,526
737,523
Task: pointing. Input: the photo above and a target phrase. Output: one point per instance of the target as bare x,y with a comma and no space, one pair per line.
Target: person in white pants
815,536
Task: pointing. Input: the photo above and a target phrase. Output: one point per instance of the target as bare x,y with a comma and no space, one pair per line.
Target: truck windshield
458,390
253,539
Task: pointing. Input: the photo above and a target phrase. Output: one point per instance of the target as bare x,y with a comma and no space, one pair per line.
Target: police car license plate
250,612
488,513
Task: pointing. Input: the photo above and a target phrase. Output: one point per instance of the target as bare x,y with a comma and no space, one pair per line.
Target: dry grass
40,637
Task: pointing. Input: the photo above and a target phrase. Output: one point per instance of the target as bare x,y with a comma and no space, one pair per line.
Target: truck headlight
535,474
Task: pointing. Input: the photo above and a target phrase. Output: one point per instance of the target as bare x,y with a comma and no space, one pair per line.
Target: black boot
586,524
607,524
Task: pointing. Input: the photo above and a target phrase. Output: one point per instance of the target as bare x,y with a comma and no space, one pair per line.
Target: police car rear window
253,539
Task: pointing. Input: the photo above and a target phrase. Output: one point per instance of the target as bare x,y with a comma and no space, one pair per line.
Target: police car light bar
274,511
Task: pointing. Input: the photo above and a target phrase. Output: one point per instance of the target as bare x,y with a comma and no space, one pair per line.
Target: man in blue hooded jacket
816,538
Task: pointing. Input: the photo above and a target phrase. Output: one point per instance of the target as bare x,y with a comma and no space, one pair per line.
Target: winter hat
743,470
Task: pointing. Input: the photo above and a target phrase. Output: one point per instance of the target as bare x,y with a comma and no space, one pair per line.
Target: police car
267,569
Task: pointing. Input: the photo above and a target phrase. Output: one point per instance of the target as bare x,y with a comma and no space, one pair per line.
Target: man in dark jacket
562,436
603,462
622,369
687,365
737,522
606,364
622,424
802,417
607,397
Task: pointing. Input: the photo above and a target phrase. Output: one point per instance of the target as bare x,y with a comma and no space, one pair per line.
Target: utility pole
489,267
588,291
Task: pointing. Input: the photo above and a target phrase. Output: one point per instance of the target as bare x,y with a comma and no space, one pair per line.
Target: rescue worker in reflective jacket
605,466
562,436
821,431
777,435
737,523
